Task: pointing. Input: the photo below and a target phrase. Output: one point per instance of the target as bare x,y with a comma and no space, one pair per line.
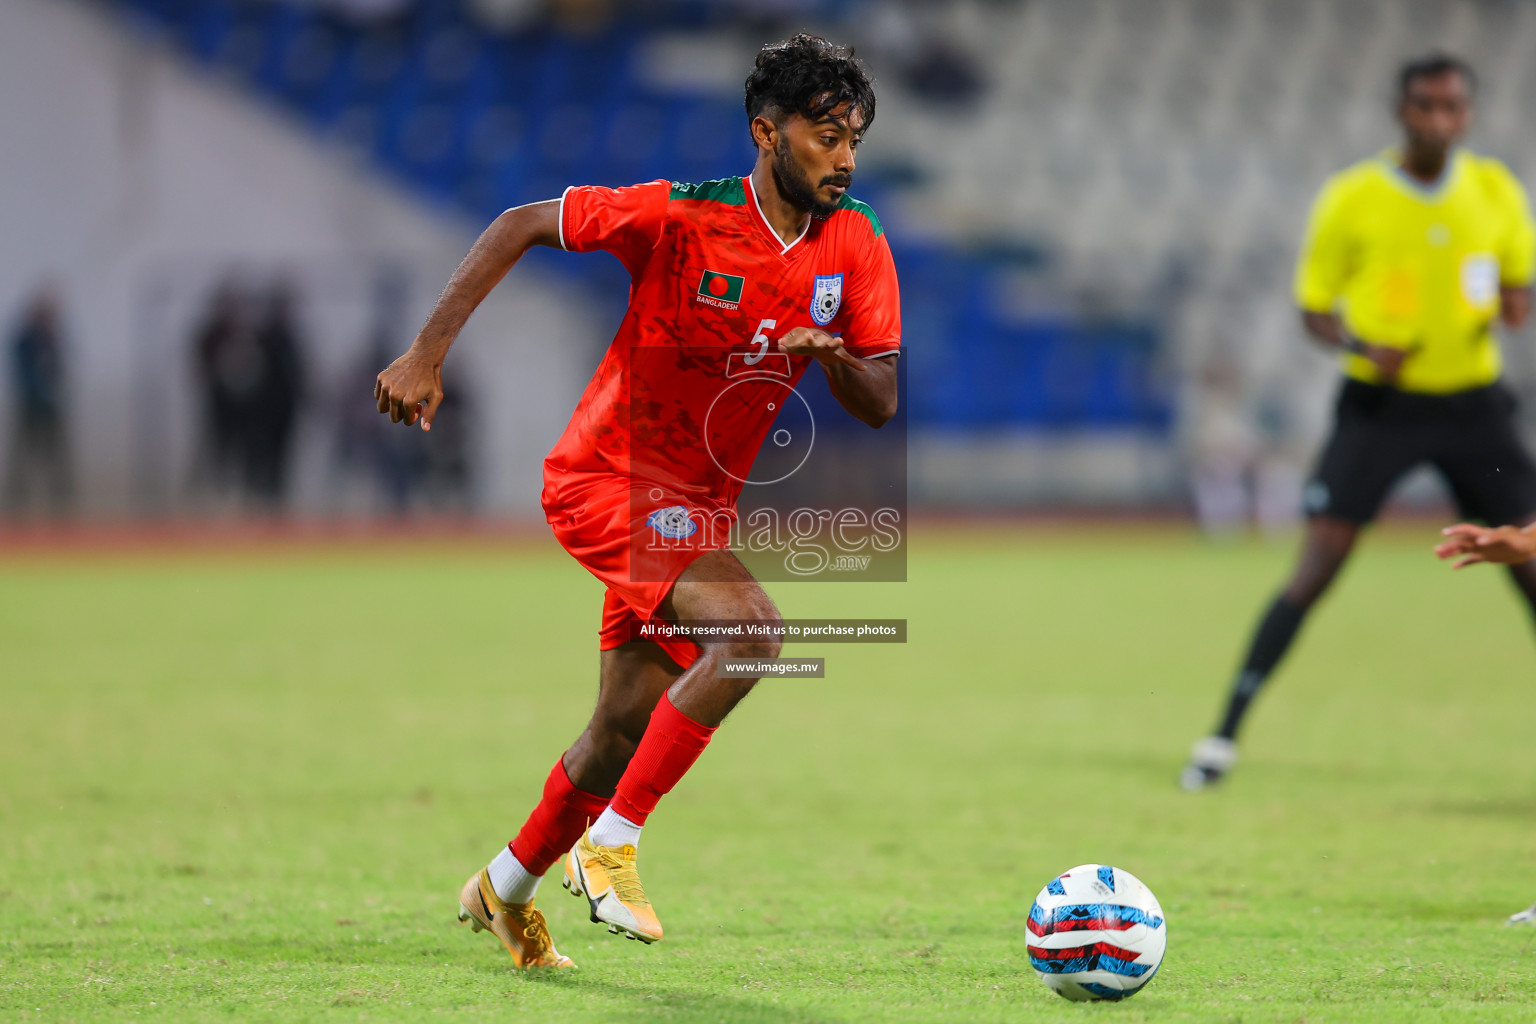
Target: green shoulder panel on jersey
850,203
725,190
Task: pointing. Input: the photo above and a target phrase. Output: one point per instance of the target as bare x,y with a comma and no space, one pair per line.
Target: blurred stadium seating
1094,204
1164,152
485,120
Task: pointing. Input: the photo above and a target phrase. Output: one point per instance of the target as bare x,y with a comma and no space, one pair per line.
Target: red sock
556,823
672,742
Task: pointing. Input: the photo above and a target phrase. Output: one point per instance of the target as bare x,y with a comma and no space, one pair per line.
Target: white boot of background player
1209,760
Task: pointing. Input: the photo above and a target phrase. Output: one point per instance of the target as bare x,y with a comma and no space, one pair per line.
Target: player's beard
795,185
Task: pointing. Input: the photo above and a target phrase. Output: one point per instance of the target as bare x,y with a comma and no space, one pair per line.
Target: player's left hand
821,346
1503,545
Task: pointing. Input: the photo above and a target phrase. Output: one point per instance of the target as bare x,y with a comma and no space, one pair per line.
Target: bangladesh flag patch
720,289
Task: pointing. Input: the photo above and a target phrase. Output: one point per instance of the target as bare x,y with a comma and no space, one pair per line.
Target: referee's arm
1517,256
1322,268
1514,304
1329,330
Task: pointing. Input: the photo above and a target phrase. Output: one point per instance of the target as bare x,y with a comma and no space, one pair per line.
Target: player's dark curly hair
1433,65
809,76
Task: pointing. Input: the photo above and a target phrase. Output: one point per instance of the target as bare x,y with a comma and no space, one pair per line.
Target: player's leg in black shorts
1379,434
1489,470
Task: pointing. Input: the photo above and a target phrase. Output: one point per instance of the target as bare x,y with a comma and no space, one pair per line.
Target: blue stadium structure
479,121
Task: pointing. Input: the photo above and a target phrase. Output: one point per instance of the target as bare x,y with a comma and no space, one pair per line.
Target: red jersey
713,289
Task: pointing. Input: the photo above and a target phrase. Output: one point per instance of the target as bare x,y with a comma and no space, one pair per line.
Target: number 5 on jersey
760,339
759,362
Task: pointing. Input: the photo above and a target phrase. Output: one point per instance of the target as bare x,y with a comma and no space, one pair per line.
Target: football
1096,932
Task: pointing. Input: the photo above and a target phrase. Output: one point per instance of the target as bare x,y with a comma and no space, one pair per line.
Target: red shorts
636,539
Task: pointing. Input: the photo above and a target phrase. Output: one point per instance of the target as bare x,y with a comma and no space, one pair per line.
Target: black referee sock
1276,631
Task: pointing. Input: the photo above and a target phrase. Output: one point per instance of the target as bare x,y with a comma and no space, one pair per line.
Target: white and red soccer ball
1096,932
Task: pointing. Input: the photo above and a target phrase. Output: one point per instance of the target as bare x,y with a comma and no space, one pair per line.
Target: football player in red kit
782,266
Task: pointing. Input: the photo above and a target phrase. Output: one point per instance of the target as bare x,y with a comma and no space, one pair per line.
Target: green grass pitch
247,786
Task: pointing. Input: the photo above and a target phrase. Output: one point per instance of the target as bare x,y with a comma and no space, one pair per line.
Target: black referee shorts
1382,433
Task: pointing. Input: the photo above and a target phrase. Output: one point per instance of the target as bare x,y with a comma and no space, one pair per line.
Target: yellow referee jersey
1419,266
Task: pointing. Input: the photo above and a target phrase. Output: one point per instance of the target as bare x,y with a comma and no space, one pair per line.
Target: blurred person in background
249,368
224,360
1277,481
1240,444
402,467
1222,449
914,38
1409,259
762,267
39,449
405,471
388,460
448,473
274,401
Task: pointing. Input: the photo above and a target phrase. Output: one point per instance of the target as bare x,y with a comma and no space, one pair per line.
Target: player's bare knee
733,689
765,644
769,648
758,648
763,626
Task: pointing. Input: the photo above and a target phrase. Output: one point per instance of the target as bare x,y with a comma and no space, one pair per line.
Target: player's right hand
1503,545
1387,359
410,389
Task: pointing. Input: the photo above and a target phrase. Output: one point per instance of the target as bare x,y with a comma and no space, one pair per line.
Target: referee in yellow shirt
1409,258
